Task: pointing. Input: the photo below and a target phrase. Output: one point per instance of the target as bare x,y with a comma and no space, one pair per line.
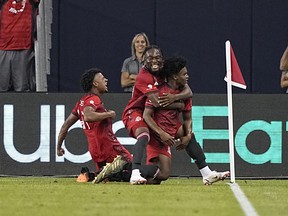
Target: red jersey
145,83
100,135
169,119
16,25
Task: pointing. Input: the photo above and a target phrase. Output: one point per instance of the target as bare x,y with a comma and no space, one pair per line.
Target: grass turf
269,197
64,196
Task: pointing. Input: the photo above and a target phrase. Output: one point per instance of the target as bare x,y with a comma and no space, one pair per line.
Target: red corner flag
236,75
233,77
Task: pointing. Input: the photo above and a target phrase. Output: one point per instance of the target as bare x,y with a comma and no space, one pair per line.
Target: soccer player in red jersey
168,130
146,87
96,122
106,151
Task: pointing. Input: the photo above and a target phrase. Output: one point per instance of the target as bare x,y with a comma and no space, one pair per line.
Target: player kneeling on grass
108,155
167,129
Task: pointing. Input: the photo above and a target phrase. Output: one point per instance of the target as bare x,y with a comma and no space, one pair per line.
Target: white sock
205,172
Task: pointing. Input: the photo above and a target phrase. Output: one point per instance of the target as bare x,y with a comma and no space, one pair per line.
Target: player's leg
143,137
118,158
164,164
122,176
195,151
111,168
125,173
138,129
159,155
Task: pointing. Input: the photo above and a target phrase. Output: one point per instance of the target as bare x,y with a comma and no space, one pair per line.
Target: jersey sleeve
149,103
146,82
125,66
188,105
93,101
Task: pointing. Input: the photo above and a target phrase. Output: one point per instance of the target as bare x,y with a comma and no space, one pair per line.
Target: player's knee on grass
163,176
164,167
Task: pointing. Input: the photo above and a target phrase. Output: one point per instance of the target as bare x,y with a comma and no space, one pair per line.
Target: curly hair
88,77
173,66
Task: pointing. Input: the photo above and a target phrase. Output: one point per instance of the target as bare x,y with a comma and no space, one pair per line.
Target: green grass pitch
40,196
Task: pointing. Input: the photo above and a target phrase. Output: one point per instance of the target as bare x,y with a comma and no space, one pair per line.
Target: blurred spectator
132,65
17,28
284,69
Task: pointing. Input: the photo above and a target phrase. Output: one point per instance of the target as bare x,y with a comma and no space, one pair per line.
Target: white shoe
215,177
136,178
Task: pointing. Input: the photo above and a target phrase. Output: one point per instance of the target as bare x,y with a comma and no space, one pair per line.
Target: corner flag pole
230,111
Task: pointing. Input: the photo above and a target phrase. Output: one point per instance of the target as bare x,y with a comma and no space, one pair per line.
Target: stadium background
95,33
31,123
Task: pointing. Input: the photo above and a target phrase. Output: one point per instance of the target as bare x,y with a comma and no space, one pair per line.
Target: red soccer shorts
154,148
132,120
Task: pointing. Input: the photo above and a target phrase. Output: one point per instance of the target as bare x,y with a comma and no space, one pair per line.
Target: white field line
246,206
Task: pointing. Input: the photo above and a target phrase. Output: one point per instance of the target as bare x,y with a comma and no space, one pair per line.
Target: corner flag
233,77
236,75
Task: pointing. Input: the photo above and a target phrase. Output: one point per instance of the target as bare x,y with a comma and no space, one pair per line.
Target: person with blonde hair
146,87
133,64
284,69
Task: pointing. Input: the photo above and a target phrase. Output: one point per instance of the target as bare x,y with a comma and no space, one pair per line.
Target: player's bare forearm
91,116
185,93
167,99
153,97
127,79
147,116
62,135
187,122
166,138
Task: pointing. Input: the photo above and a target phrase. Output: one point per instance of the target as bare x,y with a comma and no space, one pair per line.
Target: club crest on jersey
17,6
149,86
138,118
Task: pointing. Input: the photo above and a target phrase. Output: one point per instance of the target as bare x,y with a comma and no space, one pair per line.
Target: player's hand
112,113
60,152
166,99
182,142
167,139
